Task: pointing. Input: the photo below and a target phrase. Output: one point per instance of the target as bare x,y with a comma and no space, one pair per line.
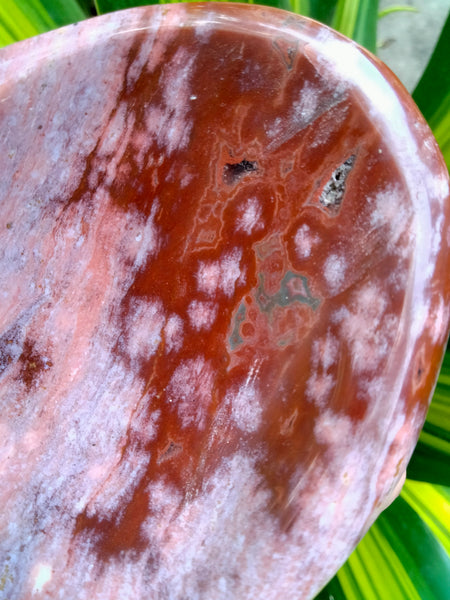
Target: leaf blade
105,6
432,93
431,459
403,556
21,19
357,19
432,504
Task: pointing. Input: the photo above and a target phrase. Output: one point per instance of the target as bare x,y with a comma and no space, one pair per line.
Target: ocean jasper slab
224,300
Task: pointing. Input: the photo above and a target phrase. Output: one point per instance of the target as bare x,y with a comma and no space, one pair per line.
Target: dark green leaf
431,458
332,591
432,93
429,464
435,81
88,7
323,10
104,6
62,12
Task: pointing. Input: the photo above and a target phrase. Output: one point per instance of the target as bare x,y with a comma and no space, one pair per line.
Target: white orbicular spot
249,217
367,328
191,388
324,355
319,388
325,351
221,274
170,123
332,429
304,241
145,321
334,271
245,400
230,270
438,321
173,333
208,276
202,314
392,211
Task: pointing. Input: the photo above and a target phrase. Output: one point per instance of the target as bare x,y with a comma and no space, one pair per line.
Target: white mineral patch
305,108
170,124
116,490
249,216
149,240
7,446
332,429
145,54
191,388
208,276
439,186
325,351
42,575
173,333
435,244
367,329
312,102
304,241
319,388
334,271
220,275
246,410
144,322
110,142
186,180
230,271
438,321
144,426
202,314
392,211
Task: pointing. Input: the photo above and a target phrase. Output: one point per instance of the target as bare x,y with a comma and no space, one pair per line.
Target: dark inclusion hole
333,192
170,451
233,172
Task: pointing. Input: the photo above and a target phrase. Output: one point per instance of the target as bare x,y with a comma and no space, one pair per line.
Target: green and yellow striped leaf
405,555
357,19
21,19
432,504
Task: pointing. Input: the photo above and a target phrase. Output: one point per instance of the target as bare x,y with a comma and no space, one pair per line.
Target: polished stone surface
224,299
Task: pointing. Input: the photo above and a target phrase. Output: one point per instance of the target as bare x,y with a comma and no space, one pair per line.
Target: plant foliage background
406,553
